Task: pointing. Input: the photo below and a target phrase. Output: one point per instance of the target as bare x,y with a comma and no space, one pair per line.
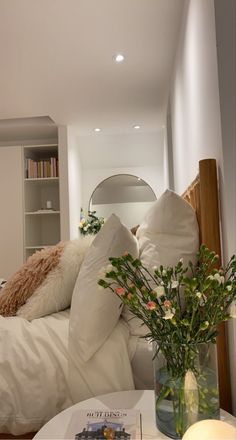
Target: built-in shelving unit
41,225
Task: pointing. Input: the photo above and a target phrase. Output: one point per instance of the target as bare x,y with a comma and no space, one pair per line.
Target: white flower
206,324
169,314
229,288
210,277
202,300
199,294
154,268
109,268
164,272
174,284
102,273
181,260
219,278
160,291
86,228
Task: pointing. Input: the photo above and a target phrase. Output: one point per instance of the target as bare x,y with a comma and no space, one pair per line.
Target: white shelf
42,212
42,226
42,181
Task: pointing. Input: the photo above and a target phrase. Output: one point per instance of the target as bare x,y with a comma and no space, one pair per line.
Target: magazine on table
122,424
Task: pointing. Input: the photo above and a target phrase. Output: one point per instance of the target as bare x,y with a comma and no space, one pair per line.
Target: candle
210,430
49,204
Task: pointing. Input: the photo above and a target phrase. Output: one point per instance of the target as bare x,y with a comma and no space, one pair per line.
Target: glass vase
186,386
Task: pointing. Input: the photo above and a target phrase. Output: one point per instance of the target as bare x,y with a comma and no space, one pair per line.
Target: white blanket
34,380
108,370
33,371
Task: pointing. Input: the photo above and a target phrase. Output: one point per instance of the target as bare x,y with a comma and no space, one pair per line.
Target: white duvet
33,371
35,380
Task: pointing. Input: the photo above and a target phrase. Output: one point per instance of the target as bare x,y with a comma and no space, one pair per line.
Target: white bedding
33,371
35,381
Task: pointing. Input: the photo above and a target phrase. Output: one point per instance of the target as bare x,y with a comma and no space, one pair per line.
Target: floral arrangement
176,308
92,224
181,307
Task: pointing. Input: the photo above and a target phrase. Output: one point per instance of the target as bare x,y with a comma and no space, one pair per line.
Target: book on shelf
41,168
110,424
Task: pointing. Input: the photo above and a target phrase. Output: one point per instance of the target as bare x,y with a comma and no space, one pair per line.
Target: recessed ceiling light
136,127
119,58
97,129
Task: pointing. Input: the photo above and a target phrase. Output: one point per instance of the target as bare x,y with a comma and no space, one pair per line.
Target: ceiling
57,61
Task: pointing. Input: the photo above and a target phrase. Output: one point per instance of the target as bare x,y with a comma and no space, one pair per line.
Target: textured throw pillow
168,232
95,311
44,284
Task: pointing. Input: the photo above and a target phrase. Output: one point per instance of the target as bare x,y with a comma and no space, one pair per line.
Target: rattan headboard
203,195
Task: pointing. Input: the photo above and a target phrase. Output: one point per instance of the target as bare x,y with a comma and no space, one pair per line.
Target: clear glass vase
186,386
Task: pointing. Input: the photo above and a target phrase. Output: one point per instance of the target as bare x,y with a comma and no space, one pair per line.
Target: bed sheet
33,371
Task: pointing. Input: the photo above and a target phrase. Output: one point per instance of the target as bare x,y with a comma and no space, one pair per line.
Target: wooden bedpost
210,236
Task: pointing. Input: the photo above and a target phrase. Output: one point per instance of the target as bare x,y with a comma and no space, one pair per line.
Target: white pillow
55,293
168,232
95,311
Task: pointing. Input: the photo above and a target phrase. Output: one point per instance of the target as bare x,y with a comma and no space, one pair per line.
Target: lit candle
210,430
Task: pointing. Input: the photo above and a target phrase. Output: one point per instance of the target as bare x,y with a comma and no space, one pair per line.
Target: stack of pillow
46,282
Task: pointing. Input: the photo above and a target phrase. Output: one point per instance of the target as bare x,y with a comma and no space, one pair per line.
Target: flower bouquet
92,224
181,307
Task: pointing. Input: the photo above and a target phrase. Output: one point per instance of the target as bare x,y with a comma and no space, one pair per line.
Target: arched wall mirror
125,195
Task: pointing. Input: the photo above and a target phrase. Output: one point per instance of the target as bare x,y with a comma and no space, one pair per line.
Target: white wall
74,172
139,154
70,175
195,111
131,214
196,117
153,175
64,188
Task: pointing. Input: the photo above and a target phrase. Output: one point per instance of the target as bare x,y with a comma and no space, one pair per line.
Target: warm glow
209,430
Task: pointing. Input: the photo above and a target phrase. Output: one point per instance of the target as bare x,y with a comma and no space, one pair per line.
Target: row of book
41,168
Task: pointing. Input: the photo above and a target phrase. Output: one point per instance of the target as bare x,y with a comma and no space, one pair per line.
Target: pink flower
167,304
151,305
120,291
129,296
125,253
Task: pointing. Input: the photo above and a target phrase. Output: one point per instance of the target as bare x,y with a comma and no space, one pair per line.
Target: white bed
52,362
34,369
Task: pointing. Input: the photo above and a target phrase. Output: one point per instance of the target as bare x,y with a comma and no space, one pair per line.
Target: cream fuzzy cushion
44,284
55,293
26,280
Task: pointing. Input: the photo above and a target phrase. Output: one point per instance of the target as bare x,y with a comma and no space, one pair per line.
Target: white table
141,400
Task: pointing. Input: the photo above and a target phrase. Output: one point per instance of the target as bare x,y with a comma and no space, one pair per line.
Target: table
138,399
